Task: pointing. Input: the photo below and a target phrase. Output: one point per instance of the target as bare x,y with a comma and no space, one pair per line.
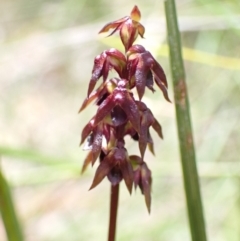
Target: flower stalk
113,212
120,113
185,134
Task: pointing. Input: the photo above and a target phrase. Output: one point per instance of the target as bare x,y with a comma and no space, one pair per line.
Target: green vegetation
45,47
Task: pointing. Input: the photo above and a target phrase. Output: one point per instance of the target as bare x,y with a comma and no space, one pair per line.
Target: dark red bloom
119,113
123,98
128,26
144,68
103,63
116,166
146,120
142,178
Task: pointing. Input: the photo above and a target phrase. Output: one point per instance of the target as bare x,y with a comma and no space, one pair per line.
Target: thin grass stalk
113,212
10,220
185,134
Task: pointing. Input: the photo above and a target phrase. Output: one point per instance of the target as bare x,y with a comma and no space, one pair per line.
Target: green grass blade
190,174
12,226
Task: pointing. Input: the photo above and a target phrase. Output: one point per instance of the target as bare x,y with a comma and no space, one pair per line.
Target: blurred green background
46,56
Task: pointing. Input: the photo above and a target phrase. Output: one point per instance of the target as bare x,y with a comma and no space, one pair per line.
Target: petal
147,120
114,24
142,143
131,68
157,127
141,30
135,14
88,143
140,79
116,60
146,184
97,71
127,103
136,48
106,106
135,161
115,176
87,161
149,81
127,173
128,34
101,172
105,70
97,142
147,195
162,87
158,71
142,71
87,130
136,177
88,100
117,57
151,148
118,116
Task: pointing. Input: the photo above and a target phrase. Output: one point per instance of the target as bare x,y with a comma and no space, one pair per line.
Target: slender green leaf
10,220
189,167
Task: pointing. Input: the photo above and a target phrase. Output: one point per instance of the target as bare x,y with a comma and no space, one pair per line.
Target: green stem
185,135
113,212
13,230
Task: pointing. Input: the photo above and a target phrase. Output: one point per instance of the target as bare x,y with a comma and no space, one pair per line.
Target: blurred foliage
47,50
8,213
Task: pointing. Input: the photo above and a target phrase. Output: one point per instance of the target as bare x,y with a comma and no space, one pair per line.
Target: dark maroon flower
142,178
146,120
103,63
123,98
119,113
94,141
128,26
116,166
143,67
